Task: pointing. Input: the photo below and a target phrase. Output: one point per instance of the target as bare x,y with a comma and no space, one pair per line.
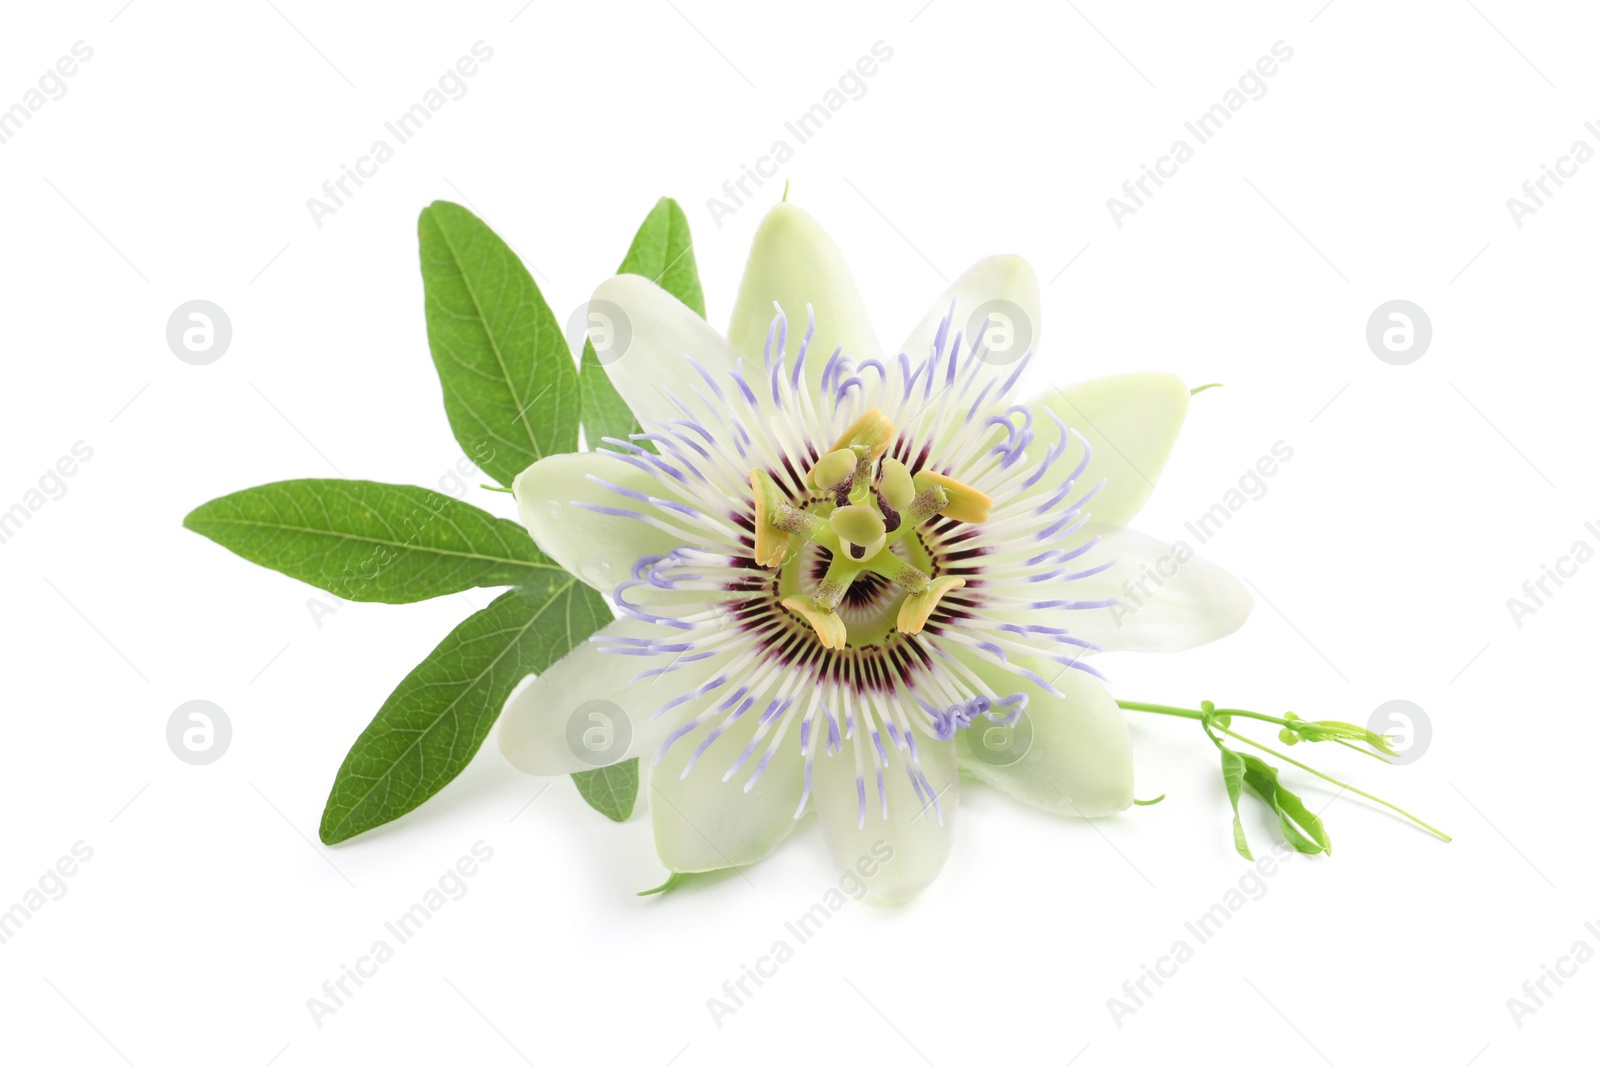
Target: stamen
924,506
916,608
830,628
897,570
772,544
873,429
966,503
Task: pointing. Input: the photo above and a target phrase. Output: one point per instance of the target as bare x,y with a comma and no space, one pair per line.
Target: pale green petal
1068,754
895,858
702,823
1169,599
1131,422
794,263
599,549
652,333
588,710
1001,291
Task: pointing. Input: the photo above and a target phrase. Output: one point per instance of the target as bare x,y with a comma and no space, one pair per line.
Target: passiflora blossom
840,571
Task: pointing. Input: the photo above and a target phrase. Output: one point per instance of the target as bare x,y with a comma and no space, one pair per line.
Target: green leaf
1301,828
1233,768
510,385
611,790
663,252
395,544
439,714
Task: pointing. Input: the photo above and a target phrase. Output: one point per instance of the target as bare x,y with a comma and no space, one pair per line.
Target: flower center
866,510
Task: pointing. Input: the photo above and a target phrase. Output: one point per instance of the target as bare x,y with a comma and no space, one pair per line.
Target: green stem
1297,725
1329,778
1364,751
1208,721
1191,713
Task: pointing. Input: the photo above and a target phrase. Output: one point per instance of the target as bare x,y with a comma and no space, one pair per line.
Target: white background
1419,498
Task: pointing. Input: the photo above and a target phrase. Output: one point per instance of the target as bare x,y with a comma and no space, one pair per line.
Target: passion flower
843,577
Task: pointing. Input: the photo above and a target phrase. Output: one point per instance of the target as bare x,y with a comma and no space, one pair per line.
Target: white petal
588,711
1169,599
702,823
1131,421
1000,291
652,333
1069,754
895,857
599,549
793,262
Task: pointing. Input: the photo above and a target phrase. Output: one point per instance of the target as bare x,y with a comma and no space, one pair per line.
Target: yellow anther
830,628
873,429
914,610
895,481
772,544
966,503
837,466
